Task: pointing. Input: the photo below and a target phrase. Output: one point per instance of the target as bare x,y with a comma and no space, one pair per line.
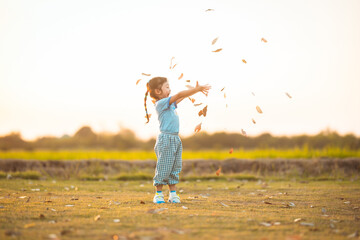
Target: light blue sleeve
162,104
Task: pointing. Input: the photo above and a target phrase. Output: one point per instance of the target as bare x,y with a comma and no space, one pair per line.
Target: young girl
168,147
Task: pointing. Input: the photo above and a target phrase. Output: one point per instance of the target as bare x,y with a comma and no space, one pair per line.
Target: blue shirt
168,118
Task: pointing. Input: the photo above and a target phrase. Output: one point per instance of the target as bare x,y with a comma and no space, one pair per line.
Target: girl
168,147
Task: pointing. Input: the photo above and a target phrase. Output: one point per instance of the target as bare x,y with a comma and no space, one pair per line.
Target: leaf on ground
185,207
29,225
181,76
218,50
308,224
259,109
347,202
355,234
23,197
214,41
218,171
42,216
96,218
297,219
266,224
224,204
231,150
267,202
115,237
69,205
137,82
116,220
244,61
145,74
198,128
253,121
264,40
287,94
142,202
156,210
243,132
291,204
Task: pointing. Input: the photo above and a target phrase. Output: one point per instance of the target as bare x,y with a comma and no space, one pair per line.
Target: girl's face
165,91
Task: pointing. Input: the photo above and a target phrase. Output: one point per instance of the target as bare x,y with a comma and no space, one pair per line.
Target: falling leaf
264,40
214,41
287,94
253,121
217,50
187,81
193,100
145,74
181,76
137,82
224,95
153,101
205,111
96,218
243,132
208,10
244,61
142,202
218,171
171,62
200,113
231,150
197,104
258,109
198,128
222,89
174,66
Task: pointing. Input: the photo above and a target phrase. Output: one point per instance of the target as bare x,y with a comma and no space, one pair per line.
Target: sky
66,64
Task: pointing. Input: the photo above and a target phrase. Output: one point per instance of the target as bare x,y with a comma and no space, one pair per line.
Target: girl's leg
159,187
172,187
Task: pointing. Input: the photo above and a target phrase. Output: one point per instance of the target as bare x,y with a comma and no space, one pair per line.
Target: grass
213,209
206,154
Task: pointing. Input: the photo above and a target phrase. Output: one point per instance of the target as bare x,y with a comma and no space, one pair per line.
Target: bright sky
69,63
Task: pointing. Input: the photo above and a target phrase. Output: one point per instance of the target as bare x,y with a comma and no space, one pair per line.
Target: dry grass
217,209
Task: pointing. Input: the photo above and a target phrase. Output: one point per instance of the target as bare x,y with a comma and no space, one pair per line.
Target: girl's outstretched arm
187,93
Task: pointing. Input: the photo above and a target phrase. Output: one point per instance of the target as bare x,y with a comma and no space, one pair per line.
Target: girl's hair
154,83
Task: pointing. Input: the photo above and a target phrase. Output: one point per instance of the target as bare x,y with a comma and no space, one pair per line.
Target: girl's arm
187,93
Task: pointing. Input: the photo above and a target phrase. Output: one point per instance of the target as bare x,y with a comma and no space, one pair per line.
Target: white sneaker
159,198
174,198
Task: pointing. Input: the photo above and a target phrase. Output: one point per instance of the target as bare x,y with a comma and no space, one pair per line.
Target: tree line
126,139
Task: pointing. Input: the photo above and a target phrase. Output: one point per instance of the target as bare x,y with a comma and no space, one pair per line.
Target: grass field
210,209
208,154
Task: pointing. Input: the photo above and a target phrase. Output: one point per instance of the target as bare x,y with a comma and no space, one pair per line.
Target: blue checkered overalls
168,147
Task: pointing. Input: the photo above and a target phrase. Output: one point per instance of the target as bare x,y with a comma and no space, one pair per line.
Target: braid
146,94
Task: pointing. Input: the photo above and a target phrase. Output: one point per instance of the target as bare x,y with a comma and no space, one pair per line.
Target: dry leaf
185,207
174,66
243,132
222,89
115,237
205,111
145,74
253,121
231,150
218,171
187,81
214,41
244,61
142,202
29,225
264,40
266,224
97,218
224,204
197,104
137,82
201,113
208,10
287,94
217,50
193,100
297,219
181,76
171,62
258,109
267,202
42,216
224,95
198,128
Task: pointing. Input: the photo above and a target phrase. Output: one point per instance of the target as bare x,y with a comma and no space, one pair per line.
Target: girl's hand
203,88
